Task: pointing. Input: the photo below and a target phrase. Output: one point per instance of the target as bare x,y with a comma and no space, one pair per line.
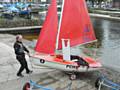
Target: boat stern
93,63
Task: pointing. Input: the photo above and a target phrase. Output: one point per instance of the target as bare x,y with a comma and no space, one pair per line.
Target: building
116,3
5,0
25,1
33,1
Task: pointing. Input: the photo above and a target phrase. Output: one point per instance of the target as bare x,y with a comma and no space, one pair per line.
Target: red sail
47,39
76,24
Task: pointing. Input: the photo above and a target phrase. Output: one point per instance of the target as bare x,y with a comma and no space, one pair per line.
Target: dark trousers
23,63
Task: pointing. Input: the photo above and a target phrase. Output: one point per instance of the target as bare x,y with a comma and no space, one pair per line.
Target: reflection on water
31,37
108,35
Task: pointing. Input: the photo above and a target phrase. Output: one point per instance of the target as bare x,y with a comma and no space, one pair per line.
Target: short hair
18,36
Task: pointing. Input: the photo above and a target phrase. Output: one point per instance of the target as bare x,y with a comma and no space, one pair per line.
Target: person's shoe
20,75
29,72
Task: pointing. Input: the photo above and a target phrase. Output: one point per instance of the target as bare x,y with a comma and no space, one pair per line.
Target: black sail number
42,61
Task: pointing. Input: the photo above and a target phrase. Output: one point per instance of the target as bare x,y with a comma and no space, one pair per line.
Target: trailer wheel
97,82
26,86
72,77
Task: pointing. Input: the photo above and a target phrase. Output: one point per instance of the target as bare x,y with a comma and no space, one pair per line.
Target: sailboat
74,28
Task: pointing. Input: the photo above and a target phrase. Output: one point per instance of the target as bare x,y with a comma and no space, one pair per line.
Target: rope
69,85
108,83
38,86
30,59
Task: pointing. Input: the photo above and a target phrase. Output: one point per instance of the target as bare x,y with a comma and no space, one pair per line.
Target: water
108,35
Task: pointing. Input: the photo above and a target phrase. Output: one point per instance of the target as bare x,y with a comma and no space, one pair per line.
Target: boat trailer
103,81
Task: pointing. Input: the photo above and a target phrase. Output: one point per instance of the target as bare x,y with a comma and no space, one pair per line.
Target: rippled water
108,32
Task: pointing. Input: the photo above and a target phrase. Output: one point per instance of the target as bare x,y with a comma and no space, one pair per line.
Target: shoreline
92,15
106,17
36,29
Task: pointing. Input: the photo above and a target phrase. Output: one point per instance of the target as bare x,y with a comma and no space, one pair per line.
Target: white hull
63,67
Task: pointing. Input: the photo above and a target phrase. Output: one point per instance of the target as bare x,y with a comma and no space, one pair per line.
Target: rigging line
57,39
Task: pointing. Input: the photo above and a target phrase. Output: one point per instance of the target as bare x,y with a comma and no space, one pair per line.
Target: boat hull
65,66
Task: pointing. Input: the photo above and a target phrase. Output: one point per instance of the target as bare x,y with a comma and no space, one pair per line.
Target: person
80,61
20,50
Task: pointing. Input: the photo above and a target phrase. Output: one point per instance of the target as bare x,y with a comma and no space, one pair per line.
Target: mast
65,46
57,39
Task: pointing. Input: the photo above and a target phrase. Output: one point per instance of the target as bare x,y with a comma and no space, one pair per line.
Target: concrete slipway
49,78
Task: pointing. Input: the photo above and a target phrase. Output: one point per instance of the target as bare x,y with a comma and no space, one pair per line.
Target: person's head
19,38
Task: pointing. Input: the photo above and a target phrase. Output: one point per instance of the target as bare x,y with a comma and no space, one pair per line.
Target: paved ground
49,78
9,65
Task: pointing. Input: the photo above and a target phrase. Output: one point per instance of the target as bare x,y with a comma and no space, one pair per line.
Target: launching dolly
31,85
103,81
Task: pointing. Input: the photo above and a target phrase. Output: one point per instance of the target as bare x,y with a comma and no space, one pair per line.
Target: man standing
20,50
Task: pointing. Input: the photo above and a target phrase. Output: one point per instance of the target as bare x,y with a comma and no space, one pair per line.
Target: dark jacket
20,48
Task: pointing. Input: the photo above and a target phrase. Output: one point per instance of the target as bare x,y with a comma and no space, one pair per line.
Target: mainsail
47,39
75,24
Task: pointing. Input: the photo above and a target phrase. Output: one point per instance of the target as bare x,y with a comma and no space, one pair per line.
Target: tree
100,1
97,1
92,1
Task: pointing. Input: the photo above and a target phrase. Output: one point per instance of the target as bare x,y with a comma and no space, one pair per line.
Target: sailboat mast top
61,14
